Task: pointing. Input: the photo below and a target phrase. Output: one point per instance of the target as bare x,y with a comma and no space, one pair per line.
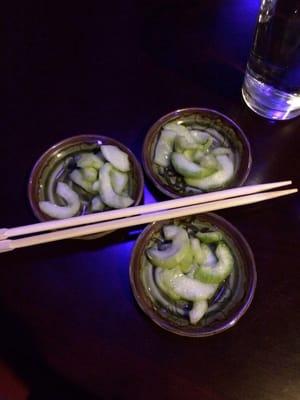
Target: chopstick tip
286,191
284,183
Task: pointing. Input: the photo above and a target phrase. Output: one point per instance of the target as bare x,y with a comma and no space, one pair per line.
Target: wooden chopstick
137,210
8,244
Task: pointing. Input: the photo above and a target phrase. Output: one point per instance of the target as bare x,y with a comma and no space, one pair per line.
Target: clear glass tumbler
272,81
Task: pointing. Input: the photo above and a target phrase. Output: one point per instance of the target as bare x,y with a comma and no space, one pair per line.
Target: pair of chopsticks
117,219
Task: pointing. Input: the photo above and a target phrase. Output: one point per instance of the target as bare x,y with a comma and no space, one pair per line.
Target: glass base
269,102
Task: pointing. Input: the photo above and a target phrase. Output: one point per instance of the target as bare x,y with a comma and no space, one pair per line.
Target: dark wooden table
69,325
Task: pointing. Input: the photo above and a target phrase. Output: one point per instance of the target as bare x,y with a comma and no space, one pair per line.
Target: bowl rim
149,137
71,141
232,320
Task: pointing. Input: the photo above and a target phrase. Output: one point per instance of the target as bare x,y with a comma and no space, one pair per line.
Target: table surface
70,327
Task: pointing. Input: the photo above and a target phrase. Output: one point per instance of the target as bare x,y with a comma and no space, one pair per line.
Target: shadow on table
18,351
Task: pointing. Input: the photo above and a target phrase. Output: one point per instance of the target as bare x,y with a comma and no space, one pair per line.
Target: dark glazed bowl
211,119
232,298
50,160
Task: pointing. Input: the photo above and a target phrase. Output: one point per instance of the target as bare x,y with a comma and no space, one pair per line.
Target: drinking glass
272,81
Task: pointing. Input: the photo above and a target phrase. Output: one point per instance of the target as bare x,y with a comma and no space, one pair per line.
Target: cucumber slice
77,177
217,136
118,158
186,264
185,143
209,257
221,151
61,212
108,196
199,136
178,252
199,309
198,252
170,231
150,286
217,179
210,237
188,168
89,160
95,186
209,161
119,180
190,154
187,288
178,128
164,147
160,280
217,273
182,138
198,155
90,174
205,146
97,204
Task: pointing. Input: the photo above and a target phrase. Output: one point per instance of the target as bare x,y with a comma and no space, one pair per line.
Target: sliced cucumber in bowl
90,174
85,160
218,272
118,158
164,147
188,168
178,253
201,140
198,311
119,181
204,285
108,196
77,177
97,204
79,168
218,178
61,212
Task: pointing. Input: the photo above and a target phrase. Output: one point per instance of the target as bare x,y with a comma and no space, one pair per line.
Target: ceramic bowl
167,180
232,298
52,163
